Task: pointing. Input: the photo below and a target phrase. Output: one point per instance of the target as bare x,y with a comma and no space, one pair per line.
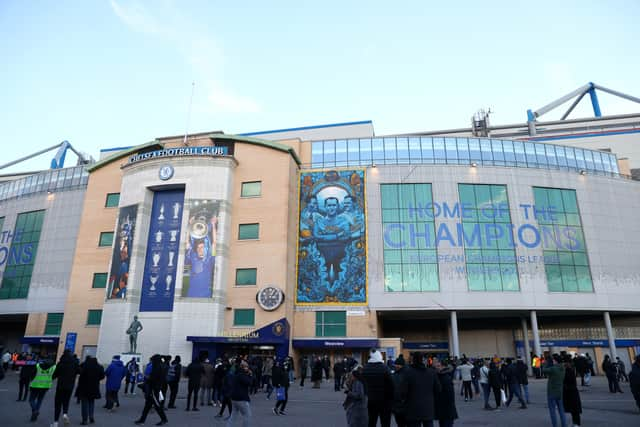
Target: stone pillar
527,349
536,336
611,336
455,344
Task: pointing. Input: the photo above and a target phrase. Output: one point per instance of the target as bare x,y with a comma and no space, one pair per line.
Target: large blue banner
332,251
159,278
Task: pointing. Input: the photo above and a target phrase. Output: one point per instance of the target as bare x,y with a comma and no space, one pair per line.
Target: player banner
121,257
200,249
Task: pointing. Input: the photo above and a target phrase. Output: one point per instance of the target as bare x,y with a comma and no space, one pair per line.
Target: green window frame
244,317
246,276
331,323
94,317
54,323
491,266
249,231
251,189
566,261
106,238
113,199
19,269
99,280
408,208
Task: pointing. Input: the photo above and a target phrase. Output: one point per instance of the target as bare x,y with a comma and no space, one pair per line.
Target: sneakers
54,424
65,419
275,411
282,413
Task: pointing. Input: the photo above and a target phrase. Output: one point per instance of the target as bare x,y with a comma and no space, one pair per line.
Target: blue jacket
115,373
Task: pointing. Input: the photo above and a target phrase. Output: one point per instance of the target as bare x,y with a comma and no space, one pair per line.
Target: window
247,231
244,317
99,280
106,238
251,189
566,262
410,257
54,323
24,247
490,256
331,323
113,199
94,317
246,276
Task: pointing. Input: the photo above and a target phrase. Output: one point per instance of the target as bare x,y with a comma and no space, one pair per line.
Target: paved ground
308,407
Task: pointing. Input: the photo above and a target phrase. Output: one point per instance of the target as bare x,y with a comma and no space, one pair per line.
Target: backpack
171,374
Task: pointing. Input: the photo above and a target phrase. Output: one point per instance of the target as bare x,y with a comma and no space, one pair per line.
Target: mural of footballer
200,256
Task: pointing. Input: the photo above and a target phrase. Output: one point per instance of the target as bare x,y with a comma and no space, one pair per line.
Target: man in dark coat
154,380
304,366
523,378
338,372
422,386
379,385
27,373
91,373
512,377
399,406
326,366
195,372
316,372
240,401
173,380
66,371
570,394
445,401
280,378
634,380
611,370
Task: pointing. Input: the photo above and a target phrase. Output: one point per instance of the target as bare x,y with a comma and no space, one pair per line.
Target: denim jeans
87,406
514,390
554,403
486,393
525,389
36,397
241,409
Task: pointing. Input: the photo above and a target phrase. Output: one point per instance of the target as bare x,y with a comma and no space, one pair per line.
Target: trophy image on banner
171,255
173,235
153,280
159,236
169,279
161,216
156,258
176,210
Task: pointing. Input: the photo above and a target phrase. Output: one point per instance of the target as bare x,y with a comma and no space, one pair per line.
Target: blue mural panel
121,256
332,250
159,278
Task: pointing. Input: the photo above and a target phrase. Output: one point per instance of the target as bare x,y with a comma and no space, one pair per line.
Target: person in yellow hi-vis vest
40,385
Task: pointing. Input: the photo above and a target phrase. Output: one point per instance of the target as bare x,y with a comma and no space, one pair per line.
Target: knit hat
399,361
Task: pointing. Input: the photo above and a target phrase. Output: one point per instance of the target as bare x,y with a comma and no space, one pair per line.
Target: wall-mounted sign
270,298
165,172
179,152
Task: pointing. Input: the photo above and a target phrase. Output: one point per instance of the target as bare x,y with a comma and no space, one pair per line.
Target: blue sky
117,72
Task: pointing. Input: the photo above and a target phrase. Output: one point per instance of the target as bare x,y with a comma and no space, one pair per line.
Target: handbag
503,396
280,393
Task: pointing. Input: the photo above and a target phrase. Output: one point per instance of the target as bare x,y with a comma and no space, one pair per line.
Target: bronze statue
133,331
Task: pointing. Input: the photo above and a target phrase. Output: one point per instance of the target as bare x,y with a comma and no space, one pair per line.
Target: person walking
132,374
267,373
154,379
611,371
570,394
280,380
206,384
316,372
465,374
484,384
634,380
338,373
194,372
622,371
555,372
225,390
513,379
399,378
240,401
326,366
355,403
40,385
304,367
91,373
379,385
445,401
115,372
422,386
66,371
495,383
173,381
27,374
523,378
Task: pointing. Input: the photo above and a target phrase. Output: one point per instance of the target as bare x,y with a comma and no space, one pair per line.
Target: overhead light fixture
474,165
583,172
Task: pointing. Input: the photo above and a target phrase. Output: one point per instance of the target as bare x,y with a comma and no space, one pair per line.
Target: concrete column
536,336
611,336
527,349
455,344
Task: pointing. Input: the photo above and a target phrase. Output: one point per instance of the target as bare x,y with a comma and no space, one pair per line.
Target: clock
165,172
270,298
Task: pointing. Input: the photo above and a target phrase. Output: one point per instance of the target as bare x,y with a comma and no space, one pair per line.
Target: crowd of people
414,394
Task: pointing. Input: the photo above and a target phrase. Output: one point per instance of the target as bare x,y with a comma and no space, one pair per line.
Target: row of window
51,180
244,277
439,150
53,326
328,323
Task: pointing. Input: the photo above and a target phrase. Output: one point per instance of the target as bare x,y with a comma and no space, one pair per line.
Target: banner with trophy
159,278
121,257
200,249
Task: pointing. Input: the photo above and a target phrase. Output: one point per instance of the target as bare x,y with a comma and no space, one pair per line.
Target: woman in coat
316,373
66,371
356,401
445,401
570,394
495,382
91,373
